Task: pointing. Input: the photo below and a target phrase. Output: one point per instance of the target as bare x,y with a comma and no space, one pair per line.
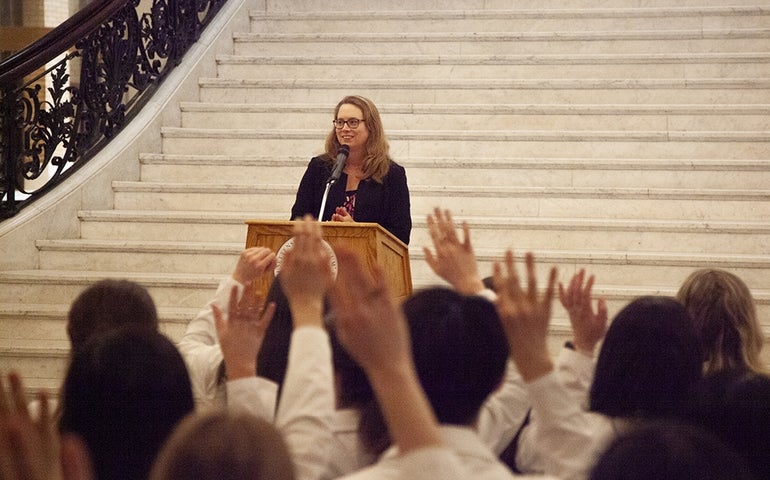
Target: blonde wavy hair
377,159
723,310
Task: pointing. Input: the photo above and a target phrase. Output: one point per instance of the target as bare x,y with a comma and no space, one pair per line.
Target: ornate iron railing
63,97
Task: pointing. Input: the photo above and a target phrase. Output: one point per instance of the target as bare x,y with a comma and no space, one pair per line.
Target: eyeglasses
352,123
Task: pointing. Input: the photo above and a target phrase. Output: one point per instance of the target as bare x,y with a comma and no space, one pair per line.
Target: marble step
483,143
686,236
278,6
554,172
615,296
612,267
628,203
516,117
46,322
651,40
167,225
169,290
507,19
329,90
217,258
498,66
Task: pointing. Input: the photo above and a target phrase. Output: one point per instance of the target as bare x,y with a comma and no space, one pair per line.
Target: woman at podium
369,186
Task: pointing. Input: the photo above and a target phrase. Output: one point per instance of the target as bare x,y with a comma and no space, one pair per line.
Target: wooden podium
373,244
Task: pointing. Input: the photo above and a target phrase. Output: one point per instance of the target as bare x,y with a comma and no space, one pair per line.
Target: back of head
723,311
123,394
224,445
735,405
649,361
460,351
675,451
107,305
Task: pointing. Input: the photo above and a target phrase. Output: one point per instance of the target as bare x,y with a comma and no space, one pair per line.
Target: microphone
339,164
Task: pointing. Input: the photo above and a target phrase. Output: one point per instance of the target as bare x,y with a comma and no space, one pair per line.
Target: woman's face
355,138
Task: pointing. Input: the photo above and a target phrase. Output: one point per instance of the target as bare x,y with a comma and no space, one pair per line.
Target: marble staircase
633,141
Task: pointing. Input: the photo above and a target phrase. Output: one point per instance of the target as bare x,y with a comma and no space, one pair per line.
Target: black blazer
386,203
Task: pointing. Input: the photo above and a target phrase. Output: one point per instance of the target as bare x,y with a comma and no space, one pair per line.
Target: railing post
9,147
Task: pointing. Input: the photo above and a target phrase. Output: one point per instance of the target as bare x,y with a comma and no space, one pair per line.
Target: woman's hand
341,215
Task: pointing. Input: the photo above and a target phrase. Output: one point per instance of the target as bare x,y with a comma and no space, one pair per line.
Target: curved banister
66,95
27,60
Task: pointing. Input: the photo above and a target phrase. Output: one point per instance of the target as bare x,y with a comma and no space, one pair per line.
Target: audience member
108,305
648,364
103,307
460,355
669,450
723,311
735,405
506,412
123,394
303,414
202,352
372,187
371,326
220,444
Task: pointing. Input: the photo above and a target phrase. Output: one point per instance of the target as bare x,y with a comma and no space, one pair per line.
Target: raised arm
588,326
30,449
525,316
563,437
375,333
200,344
307,402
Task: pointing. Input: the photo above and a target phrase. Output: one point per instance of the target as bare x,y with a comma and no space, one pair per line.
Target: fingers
549,291
76,464
441,227
252,263
602,311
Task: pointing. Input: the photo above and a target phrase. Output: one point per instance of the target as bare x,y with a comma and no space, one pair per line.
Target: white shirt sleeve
562,438
306,406
254,395
504,411
200,349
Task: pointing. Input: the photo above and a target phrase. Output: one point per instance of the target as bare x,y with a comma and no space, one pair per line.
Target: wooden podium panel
373,244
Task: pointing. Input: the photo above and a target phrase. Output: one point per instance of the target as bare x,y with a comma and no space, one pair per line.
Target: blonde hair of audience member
724,312
224,445
377,161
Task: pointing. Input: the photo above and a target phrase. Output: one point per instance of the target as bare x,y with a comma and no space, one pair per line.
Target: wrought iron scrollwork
53,122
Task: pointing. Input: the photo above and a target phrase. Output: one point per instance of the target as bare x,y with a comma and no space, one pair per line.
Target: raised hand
306,274
372,328
30,449
253,263
454,260
525,316
242,331
369,323
588,327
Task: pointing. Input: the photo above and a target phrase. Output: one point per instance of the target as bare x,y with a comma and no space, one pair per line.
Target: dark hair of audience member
459,350
660,450
123,394
460,354
649,362
107,305
723,311
273,356
224,445
735,405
